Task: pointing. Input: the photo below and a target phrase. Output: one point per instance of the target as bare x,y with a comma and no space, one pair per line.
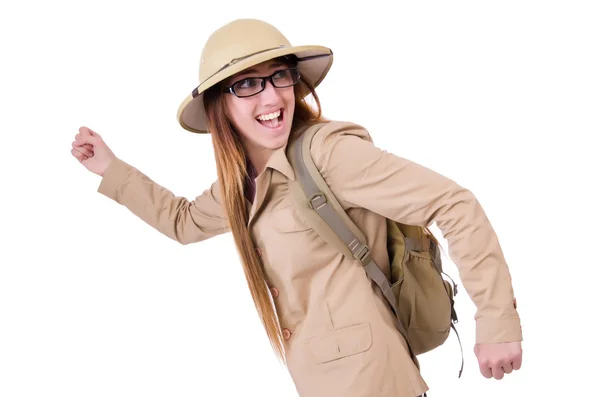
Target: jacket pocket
340,343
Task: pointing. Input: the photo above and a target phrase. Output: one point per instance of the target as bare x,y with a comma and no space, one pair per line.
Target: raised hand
91,151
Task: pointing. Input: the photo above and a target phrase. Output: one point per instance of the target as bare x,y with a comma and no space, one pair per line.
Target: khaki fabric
341,338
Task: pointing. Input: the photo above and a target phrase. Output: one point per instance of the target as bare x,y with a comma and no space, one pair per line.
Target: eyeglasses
254,85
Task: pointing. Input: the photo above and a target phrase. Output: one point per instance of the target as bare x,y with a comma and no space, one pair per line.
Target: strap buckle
360,251
317,201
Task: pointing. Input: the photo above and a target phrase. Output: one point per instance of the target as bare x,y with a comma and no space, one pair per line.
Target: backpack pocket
425,301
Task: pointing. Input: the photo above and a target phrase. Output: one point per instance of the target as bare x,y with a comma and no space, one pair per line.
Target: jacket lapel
278,162
262,186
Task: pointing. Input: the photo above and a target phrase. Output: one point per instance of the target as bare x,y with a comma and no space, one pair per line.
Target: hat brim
314,64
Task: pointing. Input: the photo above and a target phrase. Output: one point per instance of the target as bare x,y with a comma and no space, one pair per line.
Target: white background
503,97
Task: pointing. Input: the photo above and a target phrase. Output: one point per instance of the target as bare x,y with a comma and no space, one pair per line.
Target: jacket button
286,334
274,292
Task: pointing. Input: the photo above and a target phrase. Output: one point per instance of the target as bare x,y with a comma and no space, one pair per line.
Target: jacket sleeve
176,217
362,175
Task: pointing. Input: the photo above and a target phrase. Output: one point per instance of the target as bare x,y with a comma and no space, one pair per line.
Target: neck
258,157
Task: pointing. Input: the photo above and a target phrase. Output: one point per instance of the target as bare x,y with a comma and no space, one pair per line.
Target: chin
274,139
276,143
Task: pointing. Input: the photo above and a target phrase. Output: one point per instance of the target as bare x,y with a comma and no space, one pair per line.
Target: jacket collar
279,161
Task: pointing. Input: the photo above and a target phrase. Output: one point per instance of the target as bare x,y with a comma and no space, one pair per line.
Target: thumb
83,130
84,138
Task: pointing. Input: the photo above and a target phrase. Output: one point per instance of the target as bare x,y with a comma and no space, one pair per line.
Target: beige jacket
340,337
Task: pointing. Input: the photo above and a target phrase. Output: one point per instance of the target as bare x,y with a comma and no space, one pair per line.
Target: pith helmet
241,44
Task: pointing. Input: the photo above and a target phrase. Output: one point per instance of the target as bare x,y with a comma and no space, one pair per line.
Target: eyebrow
249,71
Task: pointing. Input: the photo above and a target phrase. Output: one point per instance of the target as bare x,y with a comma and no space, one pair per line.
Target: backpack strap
322,210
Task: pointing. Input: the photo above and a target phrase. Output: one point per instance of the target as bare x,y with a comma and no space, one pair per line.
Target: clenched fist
91,151
497,359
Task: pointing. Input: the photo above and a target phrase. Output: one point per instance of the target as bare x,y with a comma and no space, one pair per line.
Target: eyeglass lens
253,85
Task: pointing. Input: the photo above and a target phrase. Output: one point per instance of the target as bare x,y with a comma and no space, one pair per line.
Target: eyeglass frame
229,89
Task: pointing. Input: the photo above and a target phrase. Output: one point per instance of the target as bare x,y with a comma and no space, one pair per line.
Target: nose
270,94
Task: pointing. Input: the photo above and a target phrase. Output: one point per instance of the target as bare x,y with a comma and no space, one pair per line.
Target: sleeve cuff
113,176
498,330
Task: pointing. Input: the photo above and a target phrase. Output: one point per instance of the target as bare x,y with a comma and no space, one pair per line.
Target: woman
334,330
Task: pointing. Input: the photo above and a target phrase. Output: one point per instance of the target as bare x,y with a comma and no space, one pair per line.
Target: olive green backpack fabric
421,298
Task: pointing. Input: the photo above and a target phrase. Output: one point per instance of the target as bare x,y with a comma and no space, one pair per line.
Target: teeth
269,116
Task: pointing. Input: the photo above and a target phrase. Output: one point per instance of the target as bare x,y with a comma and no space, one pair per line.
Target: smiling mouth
271,120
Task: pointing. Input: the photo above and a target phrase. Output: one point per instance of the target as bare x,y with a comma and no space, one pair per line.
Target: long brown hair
233,176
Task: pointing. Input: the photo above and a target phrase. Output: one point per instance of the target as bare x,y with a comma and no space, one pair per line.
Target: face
263,120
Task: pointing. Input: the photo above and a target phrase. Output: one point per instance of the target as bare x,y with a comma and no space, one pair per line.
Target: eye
246,83
280,74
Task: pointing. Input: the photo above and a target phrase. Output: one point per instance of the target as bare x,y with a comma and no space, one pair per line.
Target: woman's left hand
497,359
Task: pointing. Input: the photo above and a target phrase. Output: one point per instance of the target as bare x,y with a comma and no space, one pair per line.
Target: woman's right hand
92,151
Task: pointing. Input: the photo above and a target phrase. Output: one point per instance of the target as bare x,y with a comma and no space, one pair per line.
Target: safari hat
241,44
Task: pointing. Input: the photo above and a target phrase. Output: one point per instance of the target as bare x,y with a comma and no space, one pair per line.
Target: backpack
422,300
